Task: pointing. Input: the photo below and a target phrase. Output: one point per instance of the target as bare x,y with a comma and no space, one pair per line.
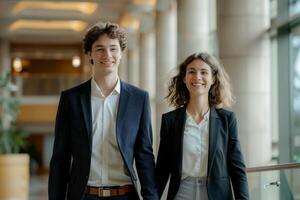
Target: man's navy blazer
70,162
225,160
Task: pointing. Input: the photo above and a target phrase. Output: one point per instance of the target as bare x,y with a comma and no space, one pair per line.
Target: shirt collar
205,118
96,90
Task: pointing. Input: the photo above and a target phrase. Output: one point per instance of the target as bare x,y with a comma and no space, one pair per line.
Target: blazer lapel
214,125
123,104
179,130
85,98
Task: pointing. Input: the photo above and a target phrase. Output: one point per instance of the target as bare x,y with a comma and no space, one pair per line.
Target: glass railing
274,182
47,85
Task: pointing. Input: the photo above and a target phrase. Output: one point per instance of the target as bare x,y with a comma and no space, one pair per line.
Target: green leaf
12,139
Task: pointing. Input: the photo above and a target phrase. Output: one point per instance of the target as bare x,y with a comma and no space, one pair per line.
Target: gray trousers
192,188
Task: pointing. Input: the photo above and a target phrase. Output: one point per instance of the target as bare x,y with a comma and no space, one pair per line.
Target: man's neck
106,83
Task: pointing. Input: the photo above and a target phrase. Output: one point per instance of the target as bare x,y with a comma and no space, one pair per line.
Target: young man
102,126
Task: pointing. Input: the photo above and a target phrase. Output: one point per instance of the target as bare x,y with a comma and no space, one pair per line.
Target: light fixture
17,64
145,2
74,25
76,61
83,7
130,23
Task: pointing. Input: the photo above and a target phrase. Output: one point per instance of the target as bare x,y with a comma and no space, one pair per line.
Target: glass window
294,7
274,102
273,8
295,93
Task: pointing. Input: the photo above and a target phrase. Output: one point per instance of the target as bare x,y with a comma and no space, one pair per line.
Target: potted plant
14,166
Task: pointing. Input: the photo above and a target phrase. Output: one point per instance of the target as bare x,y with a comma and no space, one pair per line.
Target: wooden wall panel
44,113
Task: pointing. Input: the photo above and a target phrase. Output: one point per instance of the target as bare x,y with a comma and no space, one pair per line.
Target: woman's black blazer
226,173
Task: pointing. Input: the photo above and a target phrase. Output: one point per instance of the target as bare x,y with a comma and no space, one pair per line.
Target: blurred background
258,42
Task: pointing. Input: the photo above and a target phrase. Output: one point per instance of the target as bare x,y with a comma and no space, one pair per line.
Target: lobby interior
257,41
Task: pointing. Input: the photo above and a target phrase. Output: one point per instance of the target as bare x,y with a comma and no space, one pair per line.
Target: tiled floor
38,188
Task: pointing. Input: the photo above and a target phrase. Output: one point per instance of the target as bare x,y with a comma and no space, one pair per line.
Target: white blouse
195,147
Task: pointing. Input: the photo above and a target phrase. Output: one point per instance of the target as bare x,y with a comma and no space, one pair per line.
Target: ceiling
28,21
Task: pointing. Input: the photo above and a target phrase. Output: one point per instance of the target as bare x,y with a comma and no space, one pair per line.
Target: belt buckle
105,192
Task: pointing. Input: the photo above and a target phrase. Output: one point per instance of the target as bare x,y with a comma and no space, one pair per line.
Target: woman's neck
198,107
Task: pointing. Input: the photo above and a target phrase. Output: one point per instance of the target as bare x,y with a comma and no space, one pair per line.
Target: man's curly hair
112,30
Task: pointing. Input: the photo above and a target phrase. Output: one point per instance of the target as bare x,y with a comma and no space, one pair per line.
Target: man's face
106,55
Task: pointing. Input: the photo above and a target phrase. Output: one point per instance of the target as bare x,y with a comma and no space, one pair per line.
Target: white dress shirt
107,167
195,147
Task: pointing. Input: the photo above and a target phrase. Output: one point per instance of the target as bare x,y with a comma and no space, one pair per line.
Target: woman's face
198,78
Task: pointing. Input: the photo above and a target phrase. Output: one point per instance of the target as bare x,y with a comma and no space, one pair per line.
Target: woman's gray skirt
192,188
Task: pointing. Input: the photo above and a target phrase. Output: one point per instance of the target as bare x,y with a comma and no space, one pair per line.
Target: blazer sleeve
163,158
61,157
237,168
144,157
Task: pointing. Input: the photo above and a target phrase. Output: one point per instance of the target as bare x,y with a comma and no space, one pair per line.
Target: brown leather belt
108,191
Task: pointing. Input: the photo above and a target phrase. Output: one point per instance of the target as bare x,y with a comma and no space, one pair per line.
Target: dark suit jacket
70,162
225,160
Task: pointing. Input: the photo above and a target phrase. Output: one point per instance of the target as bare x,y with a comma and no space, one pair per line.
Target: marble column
244,48
147,61
166,55
123,67
147,72
193,27
133,59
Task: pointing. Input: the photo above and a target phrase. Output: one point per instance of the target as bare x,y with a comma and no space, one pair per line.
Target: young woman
199,148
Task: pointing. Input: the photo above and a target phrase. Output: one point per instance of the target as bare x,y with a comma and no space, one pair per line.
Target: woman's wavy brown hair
220,94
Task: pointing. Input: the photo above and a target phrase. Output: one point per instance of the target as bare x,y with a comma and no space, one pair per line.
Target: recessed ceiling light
83,7
76,61
145,2
130,22
74,25
17,64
